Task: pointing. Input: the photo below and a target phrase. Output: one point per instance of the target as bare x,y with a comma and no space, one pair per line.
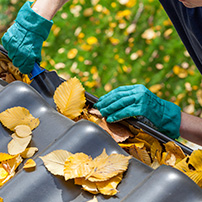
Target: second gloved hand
24,39
135,100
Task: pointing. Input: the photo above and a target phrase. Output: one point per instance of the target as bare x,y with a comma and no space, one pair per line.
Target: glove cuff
33,22
171,120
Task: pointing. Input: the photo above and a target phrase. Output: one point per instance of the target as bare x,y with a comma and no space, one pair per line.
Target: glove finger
114,91
124,113
118,104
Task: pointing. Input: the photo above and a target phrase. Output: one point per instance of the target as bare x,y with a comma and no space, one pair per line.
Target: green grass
105,66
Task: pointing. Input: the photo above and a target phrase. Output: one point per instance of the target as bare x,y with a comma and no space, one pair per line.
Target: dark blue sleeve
188,23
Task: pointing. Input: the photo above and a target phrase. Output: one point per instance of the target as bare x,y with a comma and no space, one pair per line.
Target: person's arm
191,128
48,8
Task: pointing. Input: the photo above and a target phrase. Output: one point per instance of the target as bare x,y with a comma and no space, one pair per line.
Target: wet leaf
70,98
18,116
55,161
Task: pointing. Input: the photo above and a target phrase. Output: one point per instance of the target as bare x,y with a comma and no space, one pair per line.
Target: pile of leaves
21,122
99,175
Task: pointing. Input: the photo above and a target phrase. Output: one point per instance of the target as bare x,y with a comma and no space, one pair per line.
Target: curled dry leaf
15,116
70,98
30,163
29,152
77,165
118,132
55,161
17,145
175,149
22,130
141,154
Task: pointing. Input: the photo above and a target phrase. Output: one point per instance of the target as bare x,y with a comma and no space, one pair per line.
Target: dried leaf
118,132
106,167
175,149
5,157
128,145
18,116
22,130
196,176
87,185
77,165
30,163
70,98
155,164
3,173
29,152
156,150
182,165
17,145
196,159
55,161
108,187
140,154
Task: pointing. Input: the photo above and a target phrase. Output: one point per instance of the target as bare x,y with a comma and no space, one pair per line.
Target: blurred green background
107,44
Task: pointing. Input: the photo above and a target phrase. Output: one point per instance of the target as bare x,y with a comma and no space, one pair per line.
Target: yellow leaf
175,149
155,164
55,161
5,157
141,154
1,200
196,176
77,165
11,164
29,152
70,98
30,163
196,159
182,165
108,187
3,173
92,40
156,150
22,130
18,116
106,167
128,145
87,185
17,145
72,53
155,88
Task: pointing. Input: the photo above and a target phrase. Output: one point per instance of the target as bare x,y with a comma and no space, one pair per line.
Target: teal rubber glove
24,39
136,100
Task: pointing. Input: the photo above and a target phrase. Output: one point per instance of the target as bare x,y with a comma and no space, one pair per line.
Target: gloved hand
23,40
128,101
